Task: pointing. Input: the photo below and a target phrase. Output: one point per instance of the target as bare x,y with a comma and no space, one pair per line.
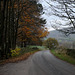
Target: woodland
20,25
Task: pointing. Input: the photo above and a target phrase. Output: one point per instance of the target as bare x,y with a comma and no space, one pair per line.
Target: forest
20,25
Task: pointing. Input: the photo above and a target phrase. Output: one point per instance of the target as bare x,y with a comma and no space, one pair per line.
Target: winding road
41,63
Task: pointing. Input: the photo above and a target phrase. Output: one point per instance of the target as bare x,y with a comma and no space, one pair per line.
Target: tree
51,43
31,26
20,22
65,10
9,16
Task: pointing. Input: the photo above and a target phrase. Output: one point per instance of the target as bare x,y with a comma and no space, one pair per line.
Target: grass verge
39,47
21,57
64,57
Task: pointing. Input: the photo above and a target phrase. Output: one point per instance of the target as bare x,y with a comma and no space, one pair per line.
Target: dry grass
16,59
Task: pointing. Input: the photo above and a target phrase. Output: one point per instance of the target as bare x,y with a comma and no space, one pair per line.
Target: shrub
61,50
71,52
15,52
51,43
35,48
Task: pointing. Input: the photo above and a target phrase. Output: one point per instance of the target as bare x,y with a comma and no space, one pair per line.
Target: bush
35,48
15,52
61,50
71,52
51,43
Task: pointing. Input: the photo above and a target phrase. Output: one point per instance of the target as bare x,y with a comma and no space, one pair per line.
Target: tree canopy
20,25
51,43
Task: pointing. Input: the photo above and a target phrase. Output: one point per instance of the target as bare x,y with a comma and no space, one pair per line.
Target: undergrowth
64,57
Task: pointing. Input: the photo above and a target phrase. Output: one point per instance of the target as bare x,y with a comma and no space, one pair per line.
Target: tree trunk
2,28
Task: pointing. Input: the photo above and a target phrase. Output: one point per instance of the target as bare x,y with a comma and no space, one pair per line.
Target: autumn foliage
51,43
31,29
20,25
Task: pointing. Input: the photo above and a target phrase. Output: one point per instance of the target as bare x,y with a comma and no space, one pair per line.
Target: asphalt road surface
41,63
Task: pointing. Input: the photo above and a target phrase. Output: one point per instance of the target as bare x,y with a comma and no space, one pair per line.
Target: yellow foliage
15,52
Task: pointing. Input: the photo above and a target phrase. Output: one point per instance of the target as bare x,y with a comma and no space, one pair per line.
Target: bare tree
64,9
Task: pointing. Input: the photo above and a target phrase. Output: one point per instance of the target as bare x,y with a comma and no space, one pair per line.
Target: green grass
39,47
20,51
64,57
24,53
30,48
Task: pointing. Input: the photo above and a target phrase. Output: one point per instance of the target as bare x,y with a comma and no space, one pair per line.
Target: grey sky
51,19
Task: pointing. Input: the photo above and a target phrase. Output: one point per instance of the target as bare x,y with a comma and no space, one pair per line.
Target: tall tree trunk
5,33
16,28
2,28
13,26
9,29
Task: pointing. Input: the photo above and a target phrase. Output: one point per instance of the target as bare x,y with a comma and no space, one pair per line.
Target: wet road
41,63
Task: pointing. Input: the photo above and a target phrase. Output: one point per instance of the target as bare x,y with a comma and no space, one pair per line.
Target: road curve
41,63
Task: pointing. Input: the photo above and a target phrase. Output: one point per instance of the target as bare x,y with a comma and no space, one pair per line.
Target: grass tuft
64,57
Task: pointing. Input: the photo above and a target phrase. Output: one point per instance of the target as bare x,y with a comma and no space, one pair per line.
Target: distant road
41,63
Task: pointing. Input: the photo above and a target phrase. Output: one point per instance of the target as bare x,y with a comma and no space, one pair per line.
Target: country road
41,63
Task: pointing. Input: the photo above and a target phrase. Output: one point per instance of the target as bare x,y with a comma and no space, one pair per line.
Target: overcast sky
48,16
